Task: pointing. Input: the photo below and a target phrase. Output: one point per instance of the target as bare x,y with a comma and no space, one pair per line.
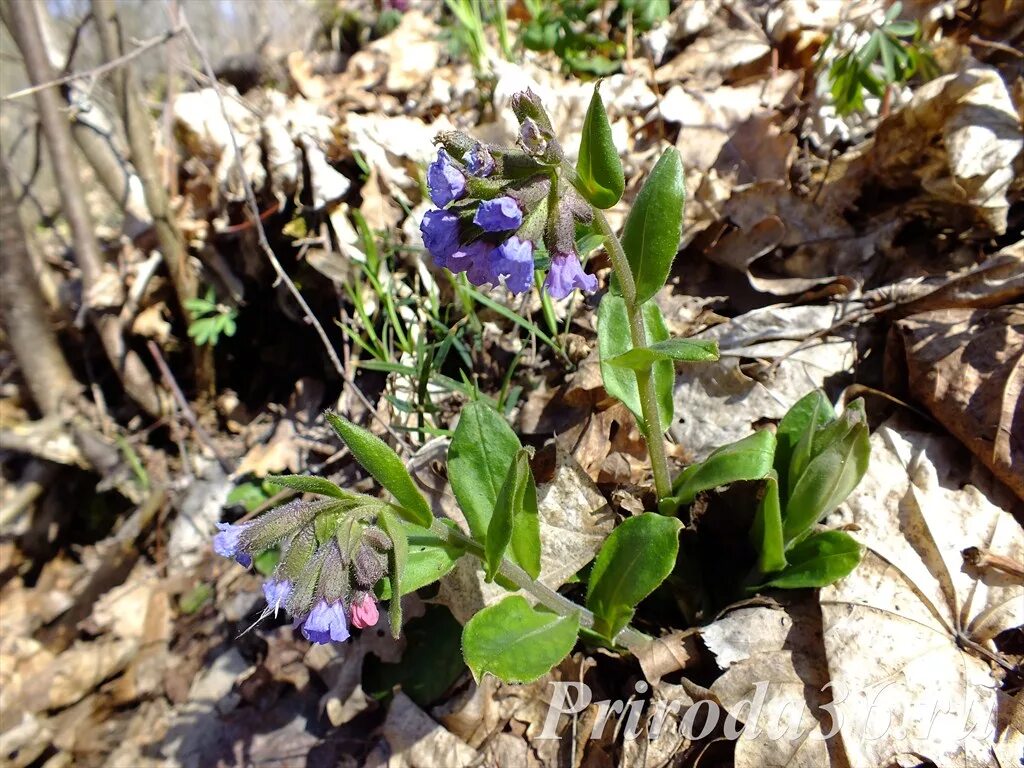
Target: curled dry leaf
967,367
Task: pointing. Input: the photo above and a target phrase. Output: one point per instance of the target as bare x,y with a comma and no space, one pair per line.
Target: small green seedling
210,319
892,54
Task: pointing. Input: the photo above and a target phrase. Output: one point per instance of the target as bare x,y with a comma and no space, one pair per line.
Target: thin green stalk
549,598
648,397
547,305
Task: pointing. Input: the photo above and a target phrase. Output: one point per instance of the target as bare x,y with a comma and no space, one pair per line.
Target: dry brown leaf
967,367
909,630
417,741
721,402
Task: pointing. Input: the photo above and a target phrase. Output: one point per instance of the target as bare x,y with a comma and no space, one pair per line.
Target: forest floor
873,255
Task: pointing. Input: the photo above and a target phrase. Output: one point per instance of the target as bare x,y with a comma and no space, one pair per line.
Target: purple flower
277,593
499,215
472,259
227,543
326,623
531,137
513,260
440,230
444,180
565,274
479,161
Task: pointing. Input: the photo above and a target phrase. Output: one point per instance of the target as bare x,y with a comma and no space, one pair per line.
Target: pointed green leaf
599,166
654,225
614,339
829,478
811,411
766,532
377,458
515,642
818,561
507,508
482,449
686,350
633,561
398,558
747,459
310,484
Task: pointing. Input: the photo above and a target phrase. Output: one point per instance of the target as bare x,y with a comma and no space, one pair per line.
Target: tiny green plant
893,53
509,216
210,319
562,27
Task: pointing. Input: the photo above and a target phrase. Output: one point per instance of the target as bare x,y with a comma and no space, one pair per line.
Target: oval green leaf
429,558
746,459
515,642
634,560
509,515
599,166
818,561
685,350
482,449
614,340
766,532
377,458
655,224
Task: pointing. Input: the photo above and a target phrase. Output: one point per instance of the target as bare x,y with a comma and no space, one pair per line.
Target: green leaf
398,558
508,508
613,340
517,643
429,559
829,478
266,561
310,484
482,450
766,532
634,560
747,459
599,166
818,561
377,458
795,435
901,28
654,225
687,350
249,495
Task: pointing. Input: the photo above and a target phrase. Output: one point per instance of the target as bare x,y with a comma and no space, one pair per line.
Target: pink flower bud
364,612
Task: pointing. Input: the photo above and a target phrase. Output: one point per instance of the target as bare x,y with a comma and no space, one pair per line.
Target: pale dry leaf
774,656
718,55
721,402
907,634
417,741
967,367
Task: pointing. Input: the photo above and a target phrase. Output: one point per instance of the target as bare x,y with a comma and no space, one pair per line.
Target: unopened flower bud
364,611
367,567
532,138
479,161
376,538
526,106
334,580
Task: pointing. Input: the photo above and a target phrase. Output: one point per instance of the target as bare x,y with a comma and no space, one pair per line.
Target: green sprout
210,319
893,53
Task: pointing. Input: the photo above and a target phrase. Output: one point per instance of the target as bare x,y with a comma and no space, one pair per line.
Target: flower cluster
332,556
497,205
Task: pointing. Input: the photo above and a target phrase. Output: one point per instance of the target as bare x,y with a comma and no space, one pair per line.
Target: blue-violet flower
326,623
277,593
440,230
565,274
513,260
499,215
227,543
479,161
444,180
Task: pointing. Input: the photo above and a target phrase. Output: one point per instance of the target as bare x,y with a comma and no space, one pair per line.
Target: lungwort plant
509,216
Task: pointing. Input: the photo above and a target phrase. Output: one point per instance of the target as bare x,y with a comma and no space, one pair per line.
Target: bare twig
96,72
264,244
186,410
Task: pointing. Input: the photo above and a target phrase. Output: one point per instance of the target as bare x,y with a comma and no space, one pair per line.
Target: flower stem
645,382
549,598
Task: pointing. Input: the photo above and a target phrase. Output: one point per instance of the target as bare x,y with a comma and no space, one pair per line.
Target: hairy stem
645,382
549,598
